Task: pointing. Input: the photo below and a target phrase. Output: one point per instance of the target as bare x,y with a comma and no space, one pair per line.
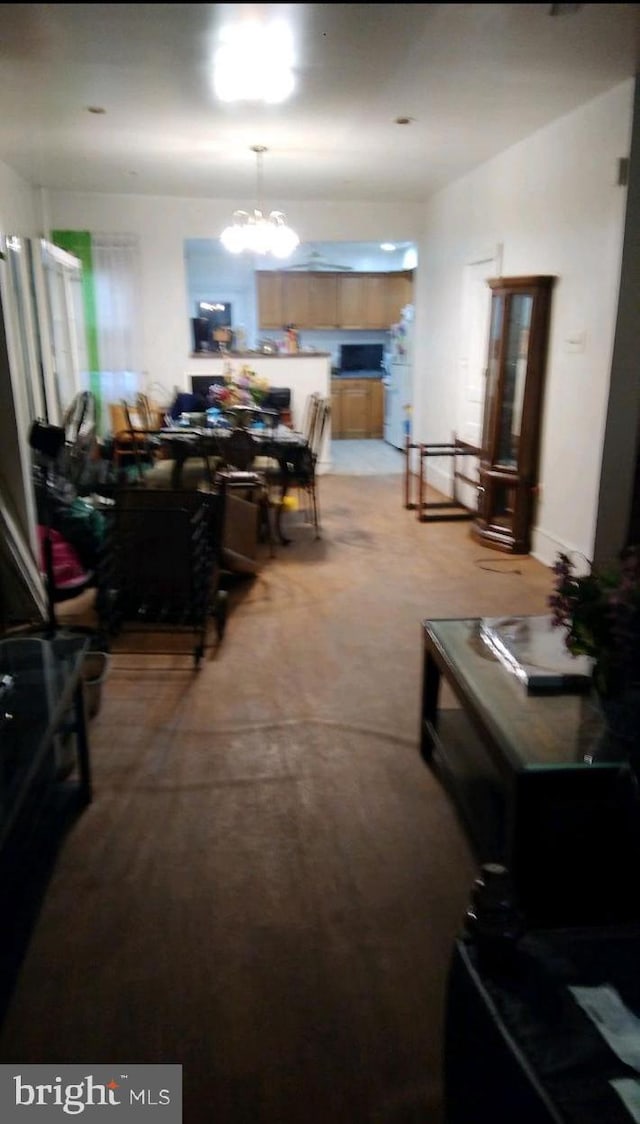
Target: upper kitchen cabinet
269,287
518,335
399,293
362,301
310,300
372,300
330,300
322,289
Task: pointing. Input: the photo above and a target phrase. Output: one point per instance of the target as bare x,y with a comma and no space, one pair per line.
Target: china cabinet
518,335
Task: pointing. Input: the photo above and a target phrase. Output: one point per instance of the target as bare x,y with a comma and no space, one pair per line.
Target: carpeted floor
267,884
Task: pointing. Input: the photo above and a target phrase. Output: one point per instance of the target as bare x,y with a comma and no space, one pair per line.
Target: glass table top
531,731
38,677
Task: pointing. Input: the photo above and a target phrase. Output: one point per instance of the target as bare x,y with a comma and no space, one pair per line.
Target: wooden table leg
421,481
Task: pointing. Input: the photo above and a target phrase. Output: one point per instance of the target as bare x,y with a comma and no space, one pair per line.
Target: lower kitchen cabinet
356,408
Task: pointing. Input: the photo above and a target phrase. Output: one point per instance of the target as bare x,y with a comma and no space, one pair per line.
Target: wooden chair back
310,412
320,425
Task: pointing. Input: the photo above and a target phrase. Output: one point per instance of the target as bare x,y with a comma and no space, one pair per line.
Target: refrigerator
398,380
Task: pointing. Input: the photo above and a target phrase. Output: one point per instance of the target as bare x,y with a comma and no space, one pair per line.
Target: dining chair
80,430
278,400
306,482
156,467
311,408
145,453
238,474
300,471
125,424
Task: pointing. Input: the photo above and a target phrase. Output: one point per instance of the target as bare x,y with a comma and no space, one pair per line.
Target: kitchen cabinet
295,299
399,292
310,299
356,408
327,300
518,335
372,300
322,299
352,301
269,285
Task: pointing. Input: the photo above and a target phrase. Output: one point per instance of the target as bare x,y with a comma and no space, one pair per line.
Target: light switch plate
575,342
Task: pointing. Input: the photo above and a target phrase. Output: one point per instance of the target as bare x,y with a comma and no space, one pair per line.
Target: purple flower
600,612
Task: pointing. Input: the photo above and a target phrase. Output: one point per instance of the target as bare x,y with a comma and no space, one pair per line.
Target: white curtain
116,267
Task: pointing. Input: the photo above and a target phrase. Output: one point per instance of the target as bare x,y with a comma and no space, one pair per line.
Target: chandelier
257,232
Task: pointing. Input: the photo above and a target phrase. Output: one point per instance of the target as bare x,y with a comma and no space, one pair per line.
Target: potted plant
600,613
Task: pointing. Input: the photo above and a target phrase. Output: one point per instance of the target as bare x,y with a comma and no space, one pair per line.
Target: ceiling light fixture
388,246
257,232
254,63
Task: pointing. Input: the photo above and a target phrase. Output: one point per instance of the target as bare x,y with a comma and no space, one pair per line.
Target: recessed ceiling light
95,109
388,246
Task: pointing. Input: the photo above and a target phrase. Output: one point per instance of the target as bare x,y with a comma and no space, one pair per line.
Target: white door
20,404
476,306
474,334
58,285
22,326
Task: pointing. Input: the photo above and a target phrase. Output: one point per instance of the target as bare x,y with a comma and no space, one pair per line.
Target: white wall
163,224
553,205
551,202
19,205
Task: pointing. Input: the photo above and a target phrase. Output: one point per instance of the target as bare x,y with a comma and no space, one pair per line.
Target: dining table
288,447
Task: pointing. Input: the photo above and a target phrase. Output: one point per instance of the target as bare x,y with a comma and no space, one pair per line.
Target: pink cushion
68,571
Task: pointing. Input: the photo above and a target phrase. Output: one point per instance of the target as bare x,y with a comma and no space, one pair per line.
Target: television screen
361,356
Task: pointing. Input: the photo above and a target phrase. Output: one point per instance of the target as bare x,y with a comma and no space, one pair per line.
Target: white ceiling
474,79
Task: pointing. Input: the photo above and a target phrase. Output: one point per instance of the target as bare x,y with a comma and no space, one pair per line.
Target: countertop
260,355
342,375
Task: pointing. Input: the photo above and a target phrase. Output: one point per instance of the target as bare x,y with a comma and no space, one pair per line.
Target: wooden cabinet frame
518,339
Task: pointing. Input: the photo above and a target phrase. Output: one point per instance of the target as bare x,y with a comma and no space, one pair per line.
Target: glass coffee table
42,708
523,774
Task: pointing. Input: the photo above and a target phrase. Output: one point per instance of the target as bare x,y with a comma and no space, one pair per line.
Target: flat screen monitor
361,356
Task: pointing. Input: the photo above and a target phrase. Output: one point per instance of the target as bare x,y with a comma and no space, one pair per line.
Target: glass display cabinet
518,334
